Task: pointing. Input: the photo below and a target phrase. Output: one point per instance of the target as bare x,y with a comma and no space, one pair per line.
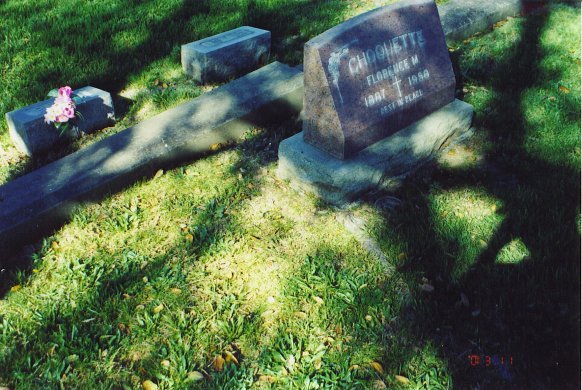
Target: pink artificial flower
69,111
62,118
65,92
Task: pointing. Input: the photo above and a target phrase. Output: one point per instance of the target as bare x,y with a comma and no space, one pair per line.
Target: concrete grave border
34,204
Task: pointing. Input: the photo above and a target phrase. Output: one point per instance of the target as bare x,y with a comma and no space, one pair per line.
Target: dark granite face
375,74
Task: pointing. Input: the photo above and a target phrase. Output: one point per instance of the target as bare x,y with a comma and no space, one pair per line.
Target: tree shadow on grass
97,326
527,311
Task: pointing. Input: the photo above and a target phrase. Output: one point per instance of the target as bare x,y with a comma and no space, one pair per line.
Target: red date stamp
488,361
502,364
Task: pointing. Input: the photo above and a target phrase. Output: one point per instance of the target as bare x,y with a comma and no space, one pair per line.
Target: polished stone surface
374,74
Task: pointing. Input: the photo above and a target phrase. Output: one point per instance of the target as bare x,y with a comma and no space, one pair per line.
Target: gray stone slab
31,135
374,74
226,55
382,165
463,18
33,205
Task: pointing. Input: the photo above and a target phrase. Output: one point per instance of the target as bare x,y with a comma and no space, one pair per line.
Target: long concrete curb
37,203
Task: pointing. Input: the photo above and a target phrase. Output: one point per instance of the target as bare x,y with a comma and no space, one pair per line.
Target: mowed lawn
216,274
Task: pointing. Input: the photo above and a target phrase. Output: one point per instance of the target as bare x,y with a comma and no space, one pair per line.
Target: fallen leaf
354,367
15,288
218,363
149,385
564,89
317,363
230,358
214,147
159,173
300,314
156,82
378,385
494,208
189,237
159,308
165,363
368,318
176,291
377,367
402,379
318,300
195,376
164,85
267,378
427,287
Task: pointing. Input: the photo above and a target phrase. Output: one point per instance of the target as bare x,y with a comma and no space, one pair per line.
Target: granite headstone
373,75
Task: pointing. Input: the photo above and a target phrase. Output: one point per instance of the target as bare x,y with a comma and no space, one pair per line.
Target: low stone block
463,18
382,165
226,55
36,203
31,135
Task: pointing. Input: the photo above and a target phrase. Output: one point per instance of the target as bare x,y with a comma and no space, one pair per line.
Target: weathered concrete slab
33,205
374,74
31,135
226,55
382,165
463,18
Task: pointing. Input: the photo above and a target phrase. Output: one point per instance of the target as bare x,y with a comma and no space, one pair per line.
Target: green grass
216,256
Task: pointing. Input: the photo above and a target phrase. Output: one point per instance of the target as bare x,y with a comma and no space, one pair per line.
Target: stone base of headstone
382,165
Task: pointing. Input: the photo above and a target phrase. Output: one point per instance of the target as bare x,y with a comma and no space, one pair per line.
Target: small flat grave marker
373,75
31,135
229,54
